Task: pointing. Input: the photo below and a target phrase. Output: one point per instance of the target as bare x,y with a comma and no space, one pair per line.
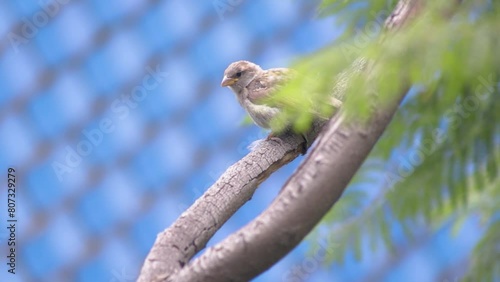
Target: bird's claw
274,138
304,145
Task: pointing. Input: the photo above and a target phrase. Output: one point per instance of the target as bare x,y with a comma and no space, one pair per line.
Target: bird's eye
238,74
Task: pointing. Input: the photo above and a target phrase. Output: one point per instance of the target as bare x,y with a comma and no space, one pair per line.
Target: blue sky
89,208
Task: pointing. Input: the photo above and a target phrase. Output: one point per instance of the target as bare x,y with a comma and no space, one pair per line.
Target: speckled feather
267,83
251,85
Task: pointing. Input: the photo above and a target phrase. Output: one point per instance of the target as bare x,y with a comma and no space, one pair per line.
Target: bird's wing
267,83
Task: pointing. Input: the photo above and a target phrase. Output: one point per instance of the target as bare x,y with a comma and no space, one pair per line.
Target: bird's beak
226,81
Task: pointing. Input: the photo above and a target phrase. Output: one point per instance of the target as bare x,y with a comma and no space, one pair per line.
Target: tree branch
304,200
176,245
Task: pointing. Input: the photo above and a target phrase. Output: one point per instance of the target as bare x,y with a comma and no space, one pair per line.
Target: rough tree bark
303,201
176,245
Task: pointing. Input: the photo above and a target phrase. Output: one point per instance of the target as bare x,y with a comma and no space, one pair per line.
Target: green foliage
486,264
441,152
352,14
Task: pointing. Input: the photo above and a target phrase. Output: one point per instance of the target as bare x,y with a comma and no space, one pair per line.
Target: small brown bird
252,84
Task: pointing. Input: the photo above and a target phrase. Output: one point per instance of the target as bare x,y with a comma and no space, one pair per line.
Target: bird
252,85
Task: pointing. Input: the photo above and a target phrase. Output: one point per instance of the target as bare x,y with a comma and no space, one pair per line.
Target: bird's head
239,74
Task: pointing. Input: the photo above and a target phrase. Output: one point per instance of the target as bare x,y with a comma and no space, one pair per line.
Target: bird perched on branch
252,85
